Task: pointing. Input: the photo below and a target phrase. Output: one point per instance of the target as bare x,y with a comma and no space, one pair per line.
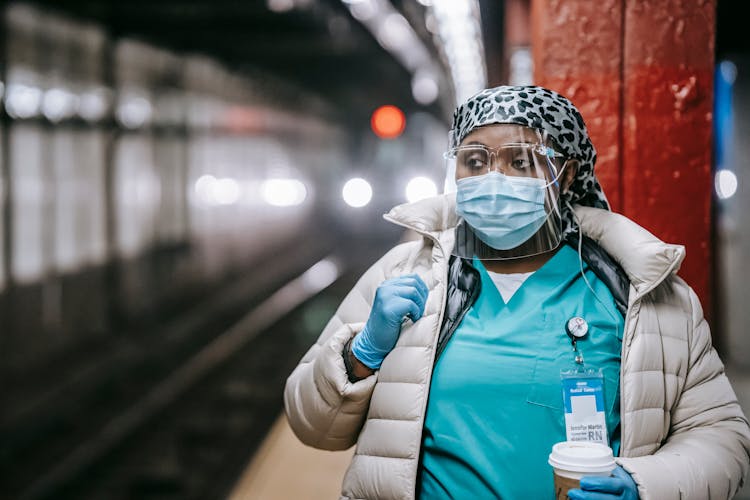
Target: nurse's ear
570,169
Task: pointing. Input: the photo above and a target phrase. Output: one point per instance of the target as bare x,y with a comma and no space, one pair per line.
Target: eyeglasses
514,159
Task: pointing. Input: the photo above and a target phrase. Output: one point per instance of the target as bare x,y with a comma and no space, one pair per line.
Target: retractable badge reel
583,392
577,329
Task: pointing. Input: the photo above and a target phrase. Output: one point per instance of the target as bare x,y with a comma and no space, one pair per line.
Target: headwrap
545,110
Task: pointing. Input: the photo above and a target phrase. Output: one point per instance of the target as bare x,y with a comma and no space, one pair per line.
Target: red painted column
577,51
668,101
641,72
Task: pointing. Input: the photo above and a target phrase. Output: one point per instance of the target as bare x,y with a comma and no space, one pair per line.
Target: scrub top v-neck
495,407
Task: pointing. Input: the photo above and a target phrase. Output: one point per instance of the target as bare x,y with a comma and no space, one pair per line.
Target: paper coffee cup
571,460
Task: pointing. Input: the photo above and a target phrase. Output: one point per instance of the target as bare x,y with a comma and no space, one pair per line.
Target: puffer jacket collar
429,217
646,260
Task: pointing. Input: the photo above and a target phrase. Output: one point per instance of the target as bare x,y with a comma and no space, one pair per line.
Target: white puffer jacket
684,435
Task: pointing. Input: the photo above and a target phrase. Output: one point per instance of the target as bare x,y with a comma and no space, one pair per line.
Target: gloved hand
395,299
619,487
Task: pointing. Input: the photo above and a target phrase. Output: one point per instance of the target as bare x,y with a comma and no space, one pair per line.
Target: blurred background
188,188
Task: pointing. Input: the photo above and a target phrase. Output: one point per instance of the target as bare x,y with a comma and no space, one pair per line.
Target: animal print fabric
550,112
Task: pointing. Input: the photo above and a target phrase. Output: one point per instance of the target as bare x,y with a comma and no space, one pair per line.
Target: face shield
507,193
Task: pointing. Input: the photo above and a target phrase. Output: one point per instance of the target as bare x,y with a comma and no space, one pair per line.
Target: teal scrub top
495,407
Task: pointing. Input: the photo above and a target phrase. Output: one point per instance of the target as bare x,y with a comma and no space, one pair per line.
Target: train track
188,430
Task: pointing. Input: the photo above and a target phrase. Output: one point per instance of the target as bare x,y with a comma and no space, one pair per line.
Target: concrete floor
284,468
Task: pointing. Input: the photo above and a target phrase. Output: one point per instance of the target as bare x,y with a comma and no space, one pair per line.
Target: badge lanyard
583,393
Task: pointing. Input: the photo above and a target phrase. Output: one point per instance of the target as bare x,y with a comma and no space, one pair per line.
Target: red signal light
388,122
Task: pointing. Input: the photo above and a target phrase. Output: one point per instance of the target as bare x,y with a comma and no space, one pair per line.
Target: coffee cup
571,460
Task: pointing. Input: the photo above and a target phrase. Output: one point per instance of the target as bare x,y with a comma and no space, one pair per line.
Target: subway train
150,199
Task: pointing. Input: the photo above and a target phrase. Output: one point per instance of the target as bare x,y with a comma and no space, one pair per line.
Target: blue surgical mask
503,211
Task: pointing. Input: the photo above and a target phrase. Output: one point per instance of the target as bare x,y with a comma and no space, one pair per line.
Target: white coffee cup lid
582,456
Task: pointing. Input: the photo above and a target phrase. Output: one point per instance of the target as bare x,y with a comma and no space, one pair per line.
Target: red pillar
668,80
577,51
641,71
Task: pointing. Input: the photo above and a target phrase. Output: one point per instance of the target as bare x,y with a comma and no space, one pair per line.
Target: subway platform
188,189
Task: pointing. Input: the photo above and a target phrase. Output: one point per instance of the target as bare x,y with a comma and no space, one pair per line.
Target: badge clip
577,328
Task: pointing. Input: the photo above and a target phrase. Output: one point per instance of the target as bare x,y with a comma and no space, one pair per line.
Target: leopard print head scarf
545,110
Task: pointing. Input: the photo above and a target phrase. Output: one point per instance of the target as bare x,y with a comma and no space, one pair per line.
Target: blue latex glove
395,299
619,486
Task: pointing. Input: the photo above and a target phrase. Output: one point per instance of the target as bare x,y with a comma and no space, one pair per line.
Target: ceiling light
725,183
357,192
459,30
420,188
362,10
424,88
395,32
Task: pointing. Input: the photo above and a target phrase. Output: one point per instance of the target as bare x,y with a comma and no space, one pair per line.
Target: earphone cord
580,263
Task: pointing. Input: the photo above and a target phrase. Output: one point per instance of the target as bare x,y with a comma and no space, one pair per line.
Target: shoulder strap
464,284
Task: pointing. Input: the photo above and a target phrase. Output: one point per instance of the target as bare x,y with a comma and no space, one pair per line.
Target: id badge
583,400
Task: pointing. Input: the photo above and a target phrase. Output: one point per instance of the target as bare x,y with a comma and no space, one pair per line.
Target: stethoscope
577,328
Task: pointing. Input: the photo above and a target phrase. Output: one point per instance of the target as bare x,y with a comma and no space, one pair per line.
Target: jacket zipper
443,300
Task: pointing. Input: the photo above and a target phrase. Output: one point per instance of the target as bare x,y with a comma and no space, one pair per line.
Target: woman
444,363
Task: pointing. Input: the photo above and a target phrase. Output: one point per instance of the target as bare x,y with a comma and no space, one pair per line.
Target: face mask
503,211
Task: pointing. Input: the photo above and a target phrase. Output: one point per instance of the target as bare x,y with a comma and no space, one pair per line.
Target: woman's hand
395,299
619,486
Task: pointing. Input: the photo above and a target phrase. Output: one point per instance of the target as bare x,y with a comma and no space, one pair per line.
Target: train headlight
284,192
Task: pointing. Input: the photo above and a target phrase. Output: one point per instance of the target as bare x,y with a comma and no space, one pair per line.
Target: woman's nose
497,165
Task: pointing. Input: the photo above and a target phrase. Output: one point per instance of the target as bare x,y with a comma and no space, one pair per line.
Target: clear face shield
507,183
